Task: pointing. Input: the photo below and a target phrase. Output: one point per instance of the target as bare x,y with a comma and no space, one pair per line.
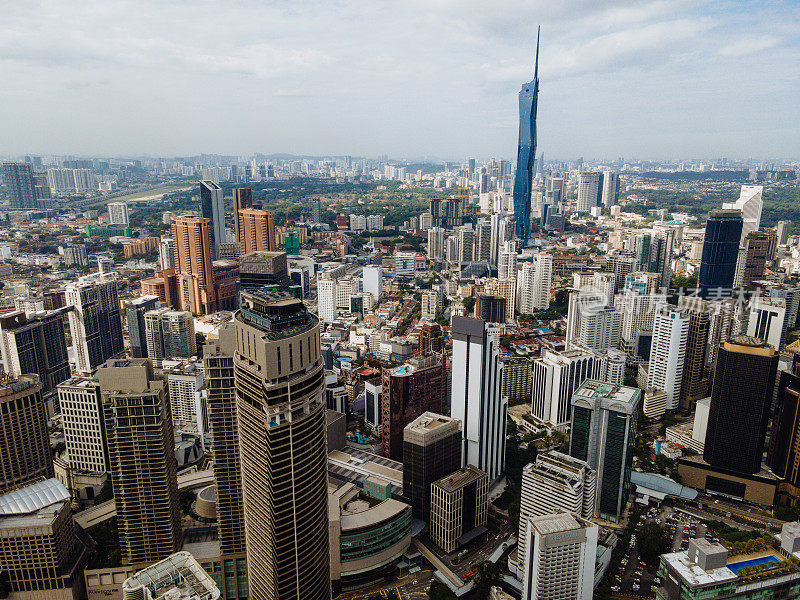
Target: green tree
488,575
651,542
439,591
469,304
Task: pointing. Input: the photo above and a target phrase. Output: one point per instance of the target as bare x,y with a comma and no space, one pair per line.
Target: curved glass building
526,153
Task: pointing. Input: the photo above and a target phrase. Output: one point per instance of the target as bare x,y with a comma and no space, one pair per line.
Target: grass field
144,195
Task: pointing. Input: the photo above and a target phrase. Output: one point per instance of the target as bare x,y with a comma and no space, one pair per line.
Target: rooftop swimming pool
753,561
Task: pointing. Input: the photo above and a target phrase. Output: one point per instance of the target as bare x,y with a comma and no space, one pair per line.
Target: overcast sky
417,78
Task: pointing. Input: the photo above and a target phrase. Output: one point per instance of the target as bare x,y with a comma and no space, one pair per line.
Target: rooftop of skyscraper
595,390
276,311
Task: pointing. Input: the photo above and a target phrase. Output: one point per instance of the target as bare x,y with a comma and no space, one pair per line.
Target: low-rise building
459,504
177,577
40,551
706,570
367,541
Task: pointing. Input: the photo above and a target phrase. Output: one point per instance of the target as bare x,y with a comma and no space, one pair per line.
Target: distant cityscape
276,377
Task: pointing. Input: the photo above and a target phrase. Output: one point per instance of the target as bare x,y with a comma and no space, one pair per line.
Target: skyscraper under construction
281,411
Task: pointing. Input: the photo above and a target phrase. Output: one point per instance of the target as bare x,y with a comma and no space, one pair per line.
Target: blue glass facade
720,251
526,153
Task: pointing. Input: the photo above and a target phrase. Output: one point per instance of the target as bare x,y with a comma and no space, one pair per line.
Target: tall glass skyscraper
526,153
720,251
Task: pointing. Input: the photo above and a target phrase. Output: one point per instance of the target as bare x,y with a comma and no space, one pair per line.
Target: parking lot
633,577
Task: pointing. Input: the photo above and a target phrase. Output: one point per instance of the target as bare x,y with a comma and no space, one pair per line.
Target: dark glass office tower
784,449
212,207
431,450
744,379
526,153
720,251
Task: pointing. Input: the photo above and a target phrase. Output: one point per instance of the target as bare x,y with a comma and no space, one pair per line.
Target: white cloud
749,44
399,76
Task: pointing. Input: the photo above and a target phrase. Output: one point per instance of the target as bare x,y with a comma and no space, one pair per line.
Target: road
410,587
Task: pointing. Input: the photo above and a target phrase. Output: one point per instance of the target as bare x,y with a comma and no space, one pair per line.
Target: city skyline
656,80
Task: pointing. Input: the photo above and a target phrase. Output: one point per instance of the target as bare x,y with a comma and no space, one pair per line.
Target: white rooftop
555,523
33,497
693,574
177,577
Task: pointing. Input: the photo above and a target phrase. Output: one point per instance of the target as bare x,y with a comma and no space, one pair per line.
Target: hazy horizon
668,79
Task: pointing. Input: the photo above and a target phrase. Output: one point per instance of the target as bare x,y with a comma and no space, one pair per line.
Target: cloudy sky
413,78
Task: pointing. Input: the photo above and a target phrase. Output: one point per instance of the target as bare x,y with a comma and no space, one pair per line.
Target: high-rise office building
507,261
476,394
316,210
694,386
118,213
436,243
590,190
766,320
784,230
95,322
610,190
84,425
169,334
556,375
193,263
258,269
791,296
212,207
621,266
242,200
218,362
257,228
431,450
603,435
166,252
638,314
490,308
784,446
750,203
723,323
482,250
35,344
139,431
24,442
76,255
554,482
526,153
598,327
134,315
409,390
535,283
720,252
741,397
282,415
372,281
668,352
561,557
21,184
517,379
184,382
757,245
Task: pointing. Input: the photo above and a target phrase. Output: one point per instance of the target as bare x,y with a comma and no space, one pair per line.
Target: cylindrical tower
281,411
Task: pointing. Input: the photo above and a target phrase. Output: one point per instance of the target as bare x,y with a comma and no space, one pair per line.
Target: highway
107,510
